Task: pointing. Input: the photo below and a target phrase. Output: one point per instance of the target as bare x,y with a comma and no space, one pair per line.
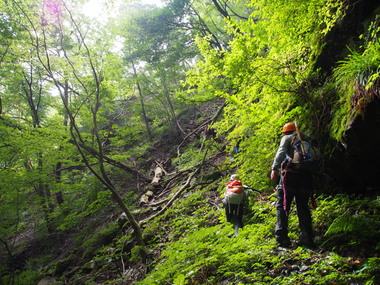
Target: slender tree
77,72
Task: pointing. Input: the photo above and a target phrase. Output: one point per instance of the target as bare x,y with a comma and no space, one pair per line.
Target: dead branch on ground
179,192
203,125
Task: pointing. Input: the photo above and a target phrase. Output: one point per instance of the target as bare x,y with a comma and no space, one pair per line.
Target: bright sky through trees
102,9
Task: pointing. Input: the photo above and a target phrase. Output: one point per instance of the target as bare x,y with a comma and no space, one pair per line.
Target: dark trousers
298,188
234,214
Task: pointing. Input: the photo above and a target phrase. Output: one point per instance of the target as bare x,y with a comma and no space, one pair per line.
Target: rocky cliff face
353,166
361,158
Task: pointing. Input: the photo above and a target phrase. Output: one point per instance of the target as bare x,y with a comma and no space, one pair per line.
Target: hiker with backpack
293,167
234,200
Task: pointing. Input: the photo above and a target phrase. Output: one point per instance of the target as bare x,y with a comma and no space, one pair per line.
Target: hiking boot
308,244
284,243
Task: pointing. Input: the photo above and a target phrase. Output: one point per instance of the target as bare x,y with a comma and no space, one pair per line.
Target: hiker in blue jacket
293,184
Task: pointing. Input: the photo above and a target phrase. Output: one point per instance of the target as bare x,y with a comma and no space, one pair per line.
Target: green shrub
24,278
100,238
210,255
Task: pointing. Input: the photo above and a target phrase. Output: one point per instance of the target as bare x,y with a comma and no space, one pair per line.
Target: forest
121,125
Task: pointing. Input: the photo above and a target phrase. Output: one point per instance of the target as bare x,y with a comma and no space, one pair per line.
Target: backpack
234,197
306,155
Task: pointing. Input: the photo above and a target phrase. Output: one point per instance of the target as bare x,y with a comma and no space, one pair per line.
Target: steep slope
187,240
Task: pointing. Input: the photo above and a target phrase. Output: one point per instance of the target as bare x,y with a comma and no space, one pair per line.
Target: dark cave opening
357,167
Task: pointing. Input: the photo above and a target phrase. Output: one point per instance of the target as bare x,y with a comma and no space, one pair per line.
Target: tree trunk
145,118
174,120
57,174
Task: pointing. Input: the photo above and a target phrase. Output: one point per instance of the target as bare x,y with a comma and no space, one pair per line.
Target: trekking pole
313,202
253,189
303,151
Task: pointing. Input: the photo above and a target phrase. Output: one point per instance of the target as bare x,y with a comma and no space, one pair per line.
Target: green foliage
349,221
355,79
190,156
373,265
209,254
263,76
190,212
26,277
102,236
347,224
200,253
259,59
138,254
92,210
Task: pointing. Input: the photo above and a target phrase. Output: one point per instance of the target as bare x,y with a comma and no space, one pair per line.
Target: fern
343,224
353,222
356,79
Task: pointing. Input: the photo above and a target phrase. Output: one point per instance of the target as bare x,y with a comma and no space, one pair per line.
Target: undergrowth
193,244
201,249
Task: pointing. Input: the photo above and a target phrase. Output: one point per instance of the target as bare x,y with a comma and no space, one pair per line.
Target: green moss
101,237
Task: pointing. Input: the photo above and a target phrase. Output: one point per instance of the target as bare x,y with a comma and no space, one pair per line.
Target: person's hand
274,175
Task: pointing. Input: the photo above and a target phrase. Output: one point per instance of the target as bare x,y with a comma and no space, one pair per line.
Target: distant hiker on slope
234,199
295,182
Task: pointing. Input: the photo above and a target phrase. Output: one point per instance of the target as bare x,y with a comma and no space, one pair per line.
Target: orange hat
289,127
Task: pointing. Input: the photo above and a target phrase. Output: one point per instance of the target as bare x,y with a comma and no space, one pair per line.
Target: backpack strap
302,147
